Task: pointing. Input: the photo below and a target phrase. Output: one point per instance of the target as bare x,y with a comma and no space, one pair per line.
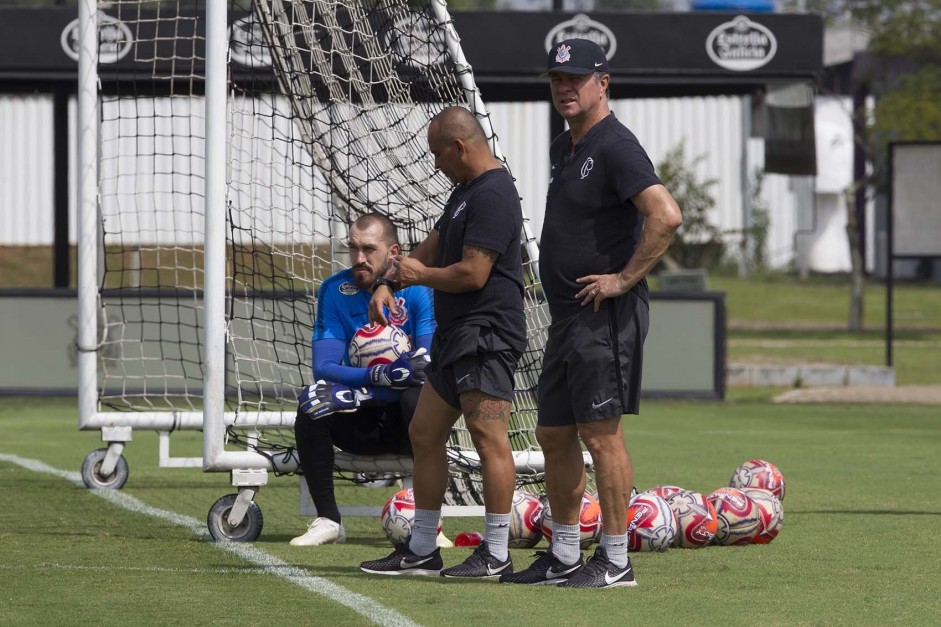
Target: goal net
326,110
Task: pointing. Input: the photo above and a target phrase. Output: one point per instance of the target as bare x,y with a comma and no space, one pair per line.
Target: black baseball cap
576,56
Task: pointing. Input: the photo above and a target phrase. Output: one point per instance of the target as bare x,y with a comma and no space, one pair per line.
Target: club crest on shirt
562,54
587,166
348,289
459,209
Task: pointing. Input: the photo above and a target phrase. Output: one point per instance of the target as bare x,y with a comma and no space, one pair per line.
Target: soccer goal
222,159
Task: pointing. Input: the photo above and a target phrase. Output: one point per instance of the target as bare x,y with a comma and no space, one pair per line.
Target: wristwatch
384,281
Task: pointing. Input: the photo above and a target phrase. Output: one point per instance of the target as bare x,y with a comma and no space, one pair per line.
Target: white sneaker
442,541
321,531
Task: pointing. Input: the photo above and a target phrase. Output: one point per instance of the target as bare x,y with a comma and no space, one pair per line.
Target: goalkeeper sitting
363,411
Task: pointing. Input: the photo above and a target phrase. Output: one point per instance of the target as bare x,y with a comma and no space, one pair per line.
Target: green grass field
858,547
782,319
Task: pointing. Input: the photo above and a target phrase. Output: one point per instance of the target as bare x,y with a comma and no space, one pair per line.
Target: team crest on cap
562,54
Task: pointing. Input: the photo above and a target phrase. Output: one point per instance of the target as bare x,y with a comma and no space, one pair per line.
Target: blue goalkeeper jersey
343,308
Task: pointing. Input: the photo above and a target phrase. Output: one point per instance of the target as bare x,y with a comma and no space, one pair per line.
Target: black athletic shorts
592,364
376,429
471,358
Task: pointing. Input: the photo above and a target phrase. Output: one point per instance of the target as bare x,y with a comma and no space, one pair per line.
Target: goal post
224,154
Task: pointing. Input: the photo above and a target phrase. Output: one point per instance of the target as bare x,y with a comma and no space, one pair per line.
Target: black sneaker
599,572
480,564
545,571
403,562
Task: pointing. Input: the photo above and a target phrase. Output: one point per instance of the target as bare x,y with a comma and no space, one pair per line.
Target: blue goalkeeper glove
406,371
322,399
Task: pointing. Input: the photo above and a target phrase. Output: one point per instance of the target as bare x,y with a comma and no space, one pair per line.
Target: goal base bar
307,507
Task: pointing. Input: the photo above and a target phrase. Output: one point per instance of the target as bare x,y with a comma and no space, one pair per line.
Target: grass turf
858,546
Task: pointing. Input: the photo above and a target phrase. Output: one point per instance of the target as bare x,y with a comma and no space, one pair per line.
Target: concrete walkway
918,394
831,383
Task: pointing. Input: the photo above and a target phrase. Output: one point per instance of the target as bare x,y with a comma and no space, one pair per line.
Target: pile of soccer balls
748,511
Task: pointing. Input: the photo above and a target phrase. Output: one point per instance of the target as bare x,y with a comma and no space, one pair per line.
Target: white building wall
710,126
27,170
828,248
523,133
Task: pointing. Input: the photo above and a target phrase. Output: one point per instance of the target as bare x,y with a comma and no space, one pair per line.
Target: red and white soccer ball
397,516
772,514
525,520
739,517
696,520
663,491
594,494
589,521
375,344
651,525
758,473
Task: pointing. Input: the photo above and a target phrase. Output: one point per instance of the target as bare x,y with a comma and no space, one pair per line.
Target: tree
698,242
900,70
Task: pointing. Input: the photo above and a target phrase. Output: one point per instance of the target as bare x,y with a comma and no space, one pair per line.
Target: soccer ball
651,525
589,521
758,473
375,344
663,491
739,517
597,498
772,514
525,520
696,521
397,516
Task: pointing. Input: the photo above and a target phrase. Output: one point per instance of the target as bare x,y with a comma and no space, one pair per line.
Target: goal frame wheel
92,477
247,530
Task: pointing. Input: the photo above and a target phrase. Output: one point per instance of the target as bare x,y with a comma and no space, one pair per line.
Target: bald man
472,259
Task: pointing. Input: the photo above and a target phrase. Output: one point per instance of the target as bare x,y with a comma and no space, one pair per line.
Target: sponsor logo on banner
583,27
741,45
114,39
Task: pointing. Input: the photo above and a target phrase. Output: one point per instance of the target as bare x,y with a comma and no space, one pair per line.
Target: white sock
616,548
424,531
565,543
497,535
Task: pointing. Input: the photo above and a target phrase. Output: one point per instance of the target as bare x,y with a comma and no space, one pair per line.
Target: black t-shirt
486,213
591,226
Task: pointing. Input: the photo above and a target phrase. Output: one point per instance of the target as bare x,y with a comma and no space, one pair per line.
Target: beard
366,280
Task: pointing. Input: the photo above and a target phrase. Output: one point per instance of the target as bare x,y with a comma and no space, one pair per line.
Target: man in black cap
608,221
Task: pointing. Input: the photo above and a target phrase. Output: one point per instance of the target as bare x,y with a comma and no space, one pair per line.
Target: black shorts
375,430
471,358
592,364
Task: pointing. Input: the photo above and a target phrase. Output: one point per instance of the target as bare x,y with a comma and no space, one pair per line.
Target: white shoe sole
301,541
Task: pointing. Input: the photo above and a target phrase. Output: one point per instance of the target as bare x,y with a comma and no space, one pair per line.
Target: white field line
364,606
798,343
250,570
